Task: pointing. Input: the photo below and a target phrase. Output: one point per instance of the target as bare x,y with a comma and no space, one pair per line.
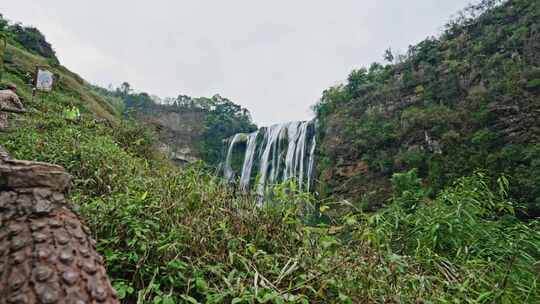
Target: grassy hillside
19,67
172,235
27,49
467,100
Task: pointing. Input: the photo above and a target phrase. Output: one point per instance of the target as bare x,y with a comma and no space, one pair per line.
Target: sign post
43,80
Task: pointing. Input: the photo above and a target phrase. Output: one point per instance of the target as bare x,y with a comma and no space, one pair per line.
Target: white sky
274,57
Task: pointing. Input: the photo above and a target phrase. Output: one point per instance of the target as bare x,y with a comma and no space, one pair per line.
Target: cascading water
274,154
248,161
227,170
311,161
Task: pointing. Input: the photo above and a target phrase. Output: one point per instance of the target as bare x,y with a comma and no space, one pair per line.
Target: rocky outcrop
46,253
178,133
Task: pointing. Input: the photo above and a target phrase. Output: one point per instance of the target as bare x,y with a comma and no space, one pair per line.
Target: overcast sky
274,57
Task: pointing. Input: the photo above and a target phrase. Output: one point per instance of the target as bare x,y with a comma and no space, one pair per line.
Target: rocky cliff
179,133
468,100
188,128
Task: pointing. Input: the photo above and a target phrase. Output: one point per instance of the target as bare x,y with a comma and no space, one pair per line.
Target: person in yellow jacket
72,113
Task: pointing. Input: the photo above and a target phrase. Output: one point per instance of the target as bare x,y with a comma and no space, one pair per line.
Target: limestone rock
178,133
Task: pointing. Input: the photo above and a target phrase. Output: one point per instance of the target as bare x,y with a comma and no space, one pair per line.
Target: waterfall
228,171
248,161
311,163
301,152
274,154
271,140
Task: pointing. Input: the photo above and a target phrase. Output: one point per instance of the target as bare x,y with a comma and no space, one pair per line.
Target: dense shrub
32,39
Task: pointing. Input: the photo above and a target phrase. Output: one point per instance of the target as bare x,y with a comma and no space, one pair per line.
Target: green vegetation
468,100
181,235
171,235
223,120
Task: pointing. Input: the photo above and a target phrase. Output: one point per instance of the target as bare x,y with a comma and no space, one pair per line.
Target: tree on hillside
223,119
388,55
3,23
125,88
31,38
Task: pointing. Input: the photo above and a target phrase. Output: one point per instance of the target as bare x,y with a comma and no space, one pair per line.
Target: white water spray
248,161
228,171
278,153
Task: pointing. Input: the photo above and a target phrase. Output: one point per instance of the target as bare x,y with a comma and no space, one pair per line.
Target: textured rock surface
9,102
46,254
179,133
24,174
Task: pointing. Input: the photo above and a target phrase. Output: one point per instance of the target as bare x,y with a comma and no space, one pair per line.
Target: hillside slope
20,65
186,129
465,101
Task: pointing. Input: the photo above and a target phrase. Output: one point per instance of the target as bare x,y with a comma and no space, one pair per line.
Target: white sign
44,80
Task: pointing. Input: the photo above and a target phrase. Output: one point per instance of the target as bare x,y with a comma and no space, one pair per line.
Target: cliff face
468,100
179,133
191,128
